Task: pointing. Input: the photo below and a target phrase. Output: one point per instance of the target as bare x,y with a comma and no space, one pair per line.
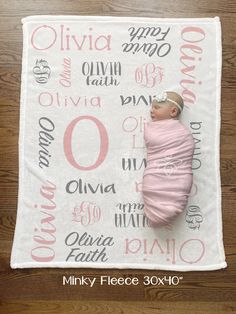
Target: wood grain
25,291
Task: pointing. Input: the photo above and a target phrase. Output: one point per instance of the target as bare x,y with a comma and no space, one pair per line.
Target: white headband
163,97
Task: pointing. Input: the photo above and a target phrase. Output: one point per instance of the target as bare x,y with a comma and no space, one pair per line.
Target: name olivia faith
85,240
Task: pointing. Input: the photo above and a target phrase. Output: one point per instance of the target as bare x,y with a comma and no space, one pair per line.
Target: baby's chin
155,118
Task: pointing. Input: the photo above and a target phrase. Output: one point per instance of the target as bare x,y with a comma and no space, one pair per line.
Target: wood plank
115,307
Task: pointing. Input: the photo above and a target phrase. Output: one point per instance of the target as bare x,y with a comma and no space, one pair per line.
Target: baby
168,177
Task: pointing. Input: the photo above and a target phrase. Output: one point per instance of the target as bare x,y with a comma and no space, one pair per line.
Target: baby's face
160,111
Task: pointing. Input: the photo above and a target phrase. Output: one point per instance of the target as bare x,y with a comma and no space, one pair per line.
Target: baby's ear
174,111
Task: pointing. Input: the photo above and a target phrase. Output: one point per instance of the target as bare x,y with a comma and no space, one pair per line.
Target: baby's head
164,108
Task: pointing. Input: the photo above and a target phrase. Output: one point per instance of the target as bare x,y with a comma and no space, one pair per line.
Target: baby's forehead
155,103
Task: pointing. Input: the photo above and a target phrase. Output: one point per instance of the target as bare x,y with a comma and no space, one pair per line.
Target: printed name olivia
80,187
45,139
45,37
45,232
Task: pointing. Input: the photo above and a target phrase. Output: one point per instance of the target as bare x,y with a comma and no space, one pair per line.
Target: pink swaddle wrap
168,177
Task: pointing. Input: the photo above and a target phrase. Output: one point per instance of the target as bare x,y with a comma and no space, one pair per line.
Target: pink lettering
68,143
45,234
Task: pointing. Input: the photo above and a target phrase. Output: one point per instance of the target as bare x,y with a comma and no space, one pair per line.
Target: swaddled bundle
168,177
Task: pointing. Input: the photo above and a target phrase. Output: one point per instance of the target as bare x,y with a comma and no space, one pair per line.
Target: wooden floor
41,290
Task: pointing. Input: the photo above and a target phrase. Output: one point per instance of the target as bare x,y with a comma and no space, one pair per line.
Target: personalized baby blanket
87,85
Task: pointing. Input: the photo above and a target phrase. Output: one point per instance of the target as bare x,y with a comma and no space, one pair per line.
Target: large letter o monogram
68,145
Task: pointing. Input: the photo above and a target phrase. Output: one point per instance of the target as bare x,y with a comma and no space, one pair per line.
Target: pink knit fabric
168,177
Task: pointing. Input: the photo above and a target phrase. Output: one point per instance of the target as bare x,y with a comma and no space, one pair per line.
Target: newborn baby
168,177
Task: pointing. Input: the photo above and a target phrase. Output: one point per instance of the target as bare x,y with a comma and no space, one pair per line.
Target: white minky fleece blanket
87,84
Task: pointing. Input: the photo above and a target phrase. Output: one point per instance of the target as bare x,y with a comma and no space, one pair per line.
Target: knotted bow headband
163,97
